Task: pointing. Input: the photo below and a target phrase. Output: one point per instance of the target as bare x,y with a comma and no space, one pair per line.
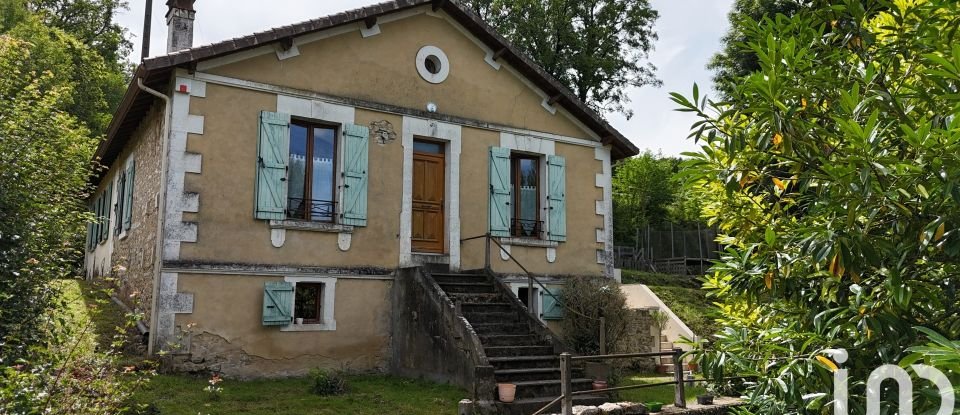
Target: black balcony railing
526,228
311,209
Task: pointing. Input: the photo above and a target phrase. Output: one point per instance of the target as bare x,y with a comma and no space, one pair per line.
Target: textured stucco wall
225,331
382,69
228,232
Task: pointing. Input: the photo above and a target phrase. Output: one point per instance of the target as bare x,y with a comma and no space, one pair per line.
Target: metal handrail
530,276
566,385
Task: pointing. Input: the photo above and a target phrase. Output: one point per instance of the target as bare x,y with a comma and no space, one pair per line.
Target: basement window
308,303
313,302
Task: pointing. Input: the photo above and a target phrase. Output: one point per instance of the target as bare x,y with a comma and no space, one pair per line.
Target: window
311,180
99,230
310,298
308,303
525,180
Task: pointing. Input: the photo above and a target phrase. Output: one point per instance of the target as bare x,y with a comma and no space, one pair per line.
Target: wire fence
669,250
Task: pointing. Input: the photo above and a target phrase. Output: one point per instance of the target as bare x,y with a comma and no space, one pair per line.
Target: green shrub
328,383
585,299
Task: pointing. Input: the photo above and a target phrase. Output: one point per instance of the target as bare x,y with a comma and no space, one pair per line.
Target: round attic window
432,64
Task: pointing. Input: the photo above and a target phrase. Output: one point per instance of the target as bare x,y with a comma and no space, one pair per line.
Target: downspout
161,210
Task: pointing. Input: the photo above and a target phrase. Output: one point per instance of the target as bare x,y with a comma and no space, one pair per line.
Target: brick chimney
180,16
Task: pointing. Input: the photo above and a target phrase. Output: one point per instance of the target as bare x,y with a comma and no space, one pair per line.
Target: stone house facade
262,193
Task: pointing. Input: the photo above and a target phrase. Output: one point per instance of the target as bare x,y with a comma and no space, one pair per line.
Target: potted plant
507,392
707,397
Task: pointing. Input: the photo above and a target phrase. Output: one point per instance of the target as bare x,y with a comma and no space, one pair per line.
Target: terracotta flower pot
600,384
506,391
693,366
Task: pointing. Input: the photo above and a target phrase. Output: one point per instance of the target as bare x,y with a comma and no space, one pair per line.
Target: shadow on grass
90,308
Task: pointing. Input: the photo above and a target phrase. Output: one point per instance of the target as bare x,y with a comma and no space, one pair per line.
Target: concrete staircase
519,354
667,361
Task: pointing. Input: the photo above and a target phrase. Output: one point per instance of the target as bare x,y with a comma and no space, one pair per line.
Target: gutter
141,328
161,208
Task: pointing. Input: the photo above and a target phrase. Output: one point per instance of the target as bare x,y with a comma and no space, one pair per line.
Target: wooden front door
428,193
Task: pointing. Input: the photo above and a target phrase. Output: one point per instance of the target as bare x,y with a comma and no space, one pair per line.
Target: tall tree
834,172
642,194
735,59
94,55
597,48
91,22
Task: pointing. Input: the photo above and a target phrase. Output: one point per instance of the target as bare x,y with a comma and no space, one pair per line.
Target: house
266,196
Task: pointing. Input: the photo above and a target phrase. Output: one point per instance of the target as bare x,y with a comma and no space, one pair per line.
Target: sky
689,34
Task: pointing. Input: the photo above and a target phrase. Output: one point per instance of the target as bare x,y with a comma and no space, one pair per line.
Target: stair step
549,387
503,351
491,329
467,287
534,373
453,274
513,340
524,358
475,317
551,382
666,346
476,297
523,362
445,278
487,307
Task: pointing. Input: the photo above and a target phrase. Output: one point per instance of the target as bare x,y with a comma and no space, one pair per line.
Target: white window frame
328,321
324,113
540,148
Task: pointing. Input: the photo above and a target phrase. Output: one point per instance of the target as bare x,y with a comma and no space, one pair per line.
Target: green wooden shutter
107,207
128,195
277,303
97,209
273,154
499,204
552,310
354,199
556,199
119,206
91,226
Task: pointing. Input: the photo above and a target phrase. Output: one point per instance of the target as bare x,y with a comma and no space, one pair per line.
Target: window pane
307,302
527,195
322,189
297,172
427,147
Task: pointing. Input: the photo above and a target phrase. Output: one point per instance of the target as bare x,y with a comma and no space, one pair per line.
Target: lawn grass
89,310
367,394
663,394
682,293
